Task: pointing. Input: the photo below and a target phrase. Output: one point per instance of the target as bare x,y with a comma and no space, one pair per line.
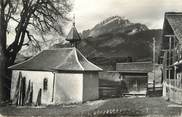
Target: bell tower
73,36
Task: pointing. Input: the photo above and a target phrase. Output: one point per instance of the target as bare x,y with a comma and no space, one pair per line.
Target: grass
142,107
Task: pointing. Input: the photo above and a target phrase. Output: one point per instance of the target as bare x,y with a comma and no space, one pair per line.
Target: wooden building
171,56
131,78
135,74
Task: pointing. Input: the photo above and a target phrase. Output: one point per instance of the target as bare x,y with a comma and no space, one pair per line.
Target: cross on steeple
74,20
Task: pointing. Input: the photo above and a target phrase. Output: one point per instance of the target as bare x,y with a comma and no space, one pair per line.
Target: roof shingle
135,66
175,21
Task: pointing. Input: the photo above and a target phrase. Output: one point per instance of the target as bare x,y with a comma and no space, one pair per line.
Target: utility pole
154,63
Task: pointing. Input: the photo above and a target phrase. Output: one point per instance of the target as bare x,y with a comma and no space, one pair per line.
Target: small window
45,83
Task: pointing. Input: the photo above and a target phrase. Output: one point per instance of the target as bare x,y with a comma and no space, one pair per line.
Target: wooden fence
109,89
114,89
171,92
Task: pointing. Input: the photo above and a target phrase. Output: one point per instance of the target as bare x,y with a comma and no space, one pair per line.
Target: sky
150,12
88,13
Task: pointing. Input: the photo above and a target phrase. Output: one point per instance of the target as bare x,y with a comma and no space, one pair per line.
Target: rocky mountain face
116,39
115,24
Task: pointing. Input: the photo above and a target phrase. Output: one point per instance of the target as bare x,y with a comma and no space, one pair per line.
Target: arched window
45,83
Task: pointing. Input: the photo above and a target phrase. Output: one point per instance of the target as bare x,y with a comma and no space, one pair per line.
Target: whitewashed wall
68,88
90,86
37,78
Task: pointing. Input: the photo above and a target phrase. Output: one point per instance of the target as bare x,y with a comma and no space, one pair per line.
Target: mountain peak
114,24
113,19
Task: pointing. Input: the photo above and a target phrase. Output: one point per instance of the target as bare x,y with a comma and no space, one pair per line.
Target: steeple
73,36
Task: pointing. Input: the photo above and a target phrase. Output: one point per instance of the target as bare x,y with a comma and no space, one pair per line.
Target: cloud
150,12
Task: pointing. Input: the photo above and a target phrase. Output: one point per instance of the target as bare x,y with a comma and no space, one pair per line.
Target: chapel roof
60,59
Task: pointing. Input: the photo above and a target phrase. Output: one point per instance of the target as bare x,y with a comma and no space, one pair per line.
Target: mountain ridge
114,24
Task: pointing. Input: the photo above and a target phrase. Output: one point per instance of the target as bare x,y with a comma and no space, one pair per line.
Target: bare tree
40,15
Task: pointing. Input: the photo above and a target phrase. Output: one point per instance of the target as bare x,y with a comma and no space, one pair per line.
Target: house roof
73,35
130,71
135,67
175,21
62,59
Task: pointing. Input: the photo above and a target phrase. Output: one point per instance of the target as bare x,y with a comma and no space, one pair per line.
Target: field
117,107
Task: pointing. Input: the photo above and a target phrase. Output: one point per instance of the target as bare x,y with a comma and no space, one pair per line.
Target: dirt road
118,107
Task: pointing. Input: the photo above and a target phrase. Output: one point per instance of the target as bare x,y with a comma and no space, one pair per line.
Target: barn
131,79
54,76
